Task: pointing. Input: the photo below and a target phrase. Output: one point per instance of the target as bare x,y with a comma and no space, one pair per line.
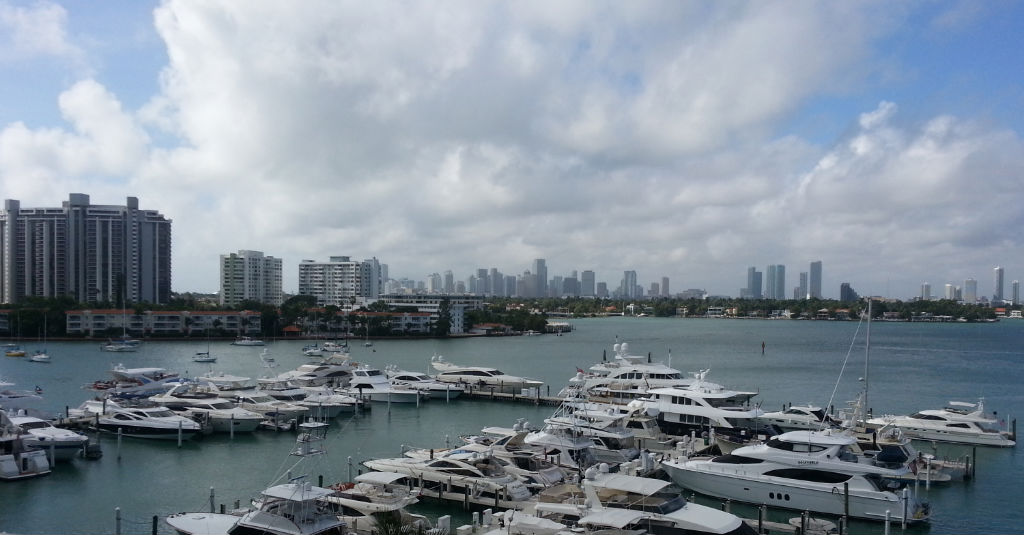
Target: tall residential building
970,291
449,282
753,284
950,292
434,284
655,290
664,287
814,284
587,287
540,273
629,284
803,291
341,281
250,276
926,292
90,252
775,282
1015,292
847,293
997,292
602,290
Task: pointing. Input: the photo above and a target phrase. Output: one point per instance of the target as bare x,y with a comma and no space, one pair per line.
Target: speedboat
324,403
294,507
959,423
806,471
480,376
136,382
281,389
256,401
800,417
227,384
313,350
361,502
514,456
139,420
701,406
423,382
40,434
202,402
19,399
120,346
661,507
246,341
477,479
370,383
334,370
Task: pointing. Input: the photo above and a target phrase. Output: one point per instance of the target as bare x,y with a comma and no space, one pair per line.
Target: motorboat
370,495
659,504
264,404
423,382
611,441
59,444
313,350
293,507
324,403
958,423
335,347
227,384
480,376
14,351
478,479
202,402
800,417
515,457
626,377
11,399
247,341
204,356
805,471
136,382
120,346
333,370
17,461
281,389
371,383
139,420
702,406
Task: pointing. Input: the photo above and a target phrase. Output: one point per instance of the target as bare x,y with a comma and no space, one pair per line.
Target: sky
681,139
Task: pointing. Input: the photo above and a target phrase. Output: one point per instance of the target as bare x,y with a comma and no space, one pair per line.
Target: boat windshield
33,425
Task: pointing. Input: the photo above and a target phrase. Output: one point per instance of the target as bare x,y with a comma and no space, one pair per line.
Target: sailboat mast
867,360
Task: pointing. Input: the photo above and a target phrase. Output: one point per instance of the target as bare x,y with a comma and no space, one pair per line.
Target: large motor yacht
626,377
959,423
424,383
37,433
480,376
371,383
806,471
138,420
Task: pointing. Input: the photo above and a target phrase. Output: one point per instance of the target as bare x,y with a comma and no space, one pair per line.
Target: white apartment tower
970,291
341,281
89,252
250,276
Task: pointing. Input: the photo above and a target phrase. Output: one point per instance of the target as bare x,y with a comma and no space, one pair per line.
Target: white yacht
626,377
324,403
41,434
515,457
227,384
661,507
11,399
202,401
702,406
119,346
281,389
806,471
247,341
295,507
800,417
480,479
19,462
138,420
264,404
424,383
959,423
136,382
611,441
370,383
333,370
359,503
480,376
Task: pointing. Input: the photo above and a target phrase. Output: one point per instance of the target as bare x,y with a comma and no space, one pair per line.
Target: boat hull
138,431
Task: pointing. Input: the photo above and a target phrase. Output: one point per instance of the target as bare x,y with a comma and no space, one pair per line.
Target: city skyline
679,140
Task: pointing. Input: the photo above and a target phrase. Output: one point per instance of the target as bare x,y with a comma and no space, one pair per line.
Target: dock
527,395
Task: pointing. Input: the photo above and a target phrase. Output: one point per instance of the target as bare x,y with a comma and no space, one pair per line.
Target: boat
658,506
281,389
204,356
40,356
511,453
119,346
477,479
816,471
701,407
138,419
227,384
480,376
247,341
958,423
18,399
370,383
14,351
626,377
136,382
333,370
423,382
264,404
324,403
370,495
201,401
293,507
17,461
59,444
611,441
798,417
313,350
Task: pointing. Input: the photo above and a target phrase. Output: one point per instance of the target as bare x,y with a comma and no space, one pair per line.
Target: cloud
40,30
599,136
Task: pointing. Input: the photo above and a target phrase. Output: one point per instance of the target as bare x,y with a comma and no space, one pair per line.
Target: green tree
443,326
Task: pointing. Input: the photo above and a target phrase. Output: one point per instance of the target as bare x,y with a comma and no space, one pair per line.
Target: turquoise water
912,367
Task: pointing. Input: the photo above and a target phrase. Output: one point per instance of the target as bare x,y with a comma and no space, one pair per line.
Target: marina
943,362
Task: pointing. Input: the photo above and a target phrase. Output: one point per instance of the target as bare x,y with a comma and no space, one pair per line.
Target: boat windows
814,476
735,459
25,426
959,426
799,447
920,416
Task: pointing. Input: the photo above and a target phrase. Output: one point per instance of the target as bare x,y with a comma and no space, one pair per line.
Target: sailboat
41,355
204,356
125,343
15,350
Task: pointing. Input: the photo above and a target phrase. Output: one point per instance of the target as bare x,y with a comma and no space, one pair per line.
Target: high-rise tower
997,281
814,284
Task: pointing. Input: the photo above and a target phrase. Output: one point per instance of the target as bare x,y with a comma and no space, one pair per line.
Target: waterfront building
926,292
970,291
341,281
89,252
997,292
587,287
250,276
110,322
814,284
431,304
803,291
664,287
753,284
629,284
540,275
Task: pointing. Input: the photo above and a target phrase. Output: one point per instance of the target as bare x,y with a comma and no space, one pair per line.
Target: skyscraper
753,283
970,291
847,293
1015,293
90,252
340,280
664,287
250,276
629,284
802,291
997,292
540,272
449,282
926,292
814,286
775,282
587,283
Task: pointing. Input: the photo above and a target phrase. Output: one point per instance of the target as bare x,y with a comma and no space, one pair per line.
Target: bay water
912,366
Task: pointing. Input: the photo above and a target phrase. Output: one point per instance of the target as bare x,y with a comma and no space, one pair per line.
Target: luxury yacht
333,370
247,341
701,406
626,377
806,471
959,423
370,383
138,420
136,382
256,401
424,383
19,462
800,417
361,502
480,376
42,435
478,479
524,462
